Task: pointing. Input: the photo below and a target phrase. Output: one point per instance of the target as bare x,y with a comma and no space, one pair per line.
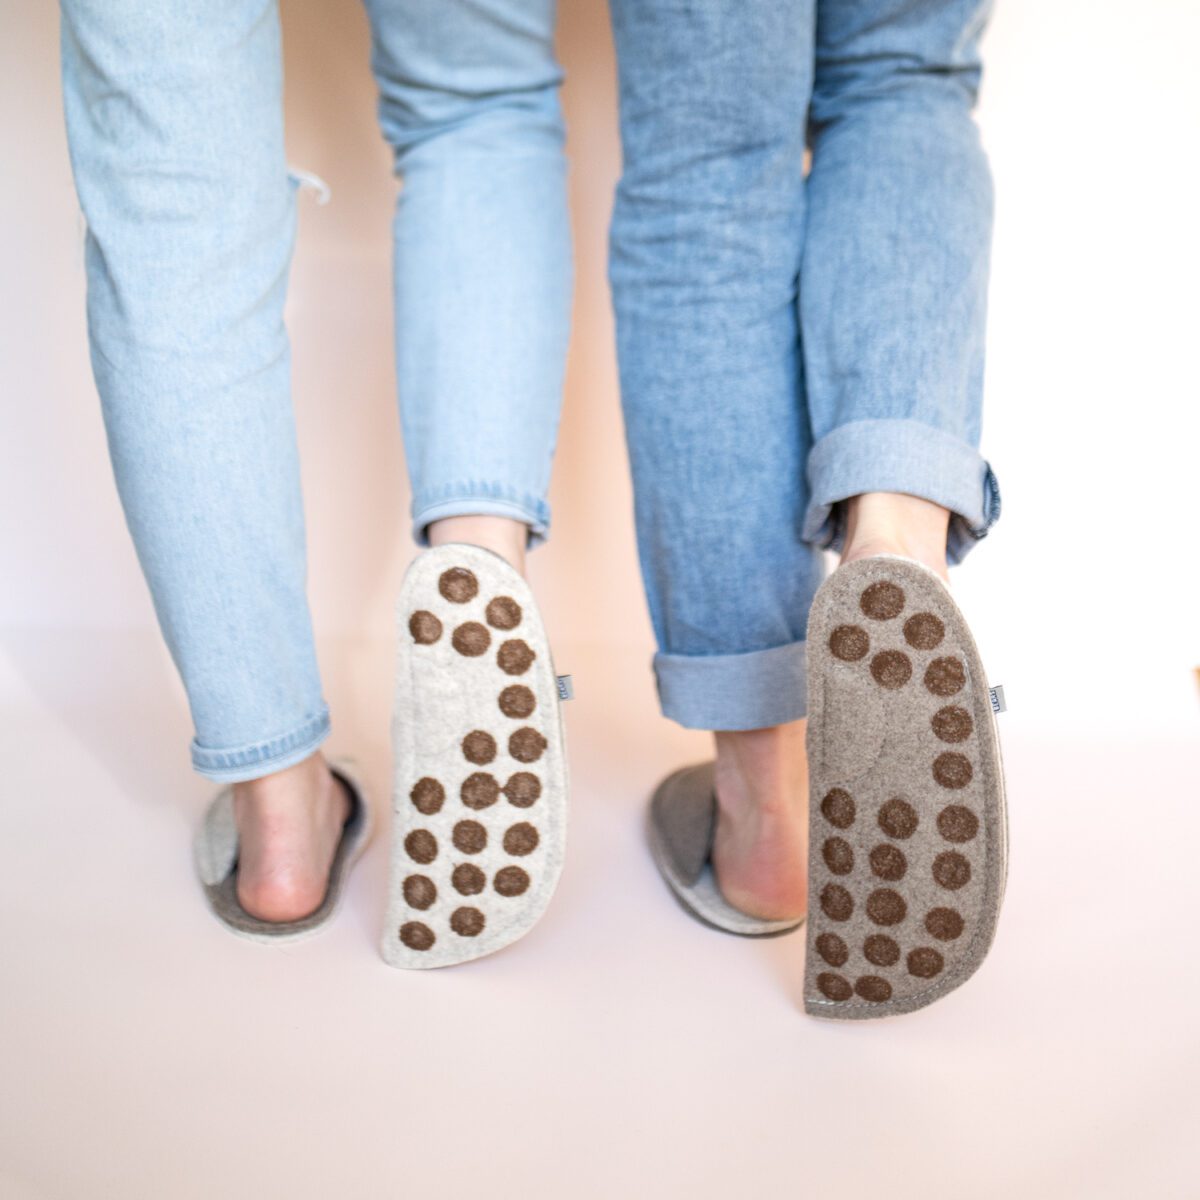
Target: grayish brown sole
481,786
679,827
908,826
214,856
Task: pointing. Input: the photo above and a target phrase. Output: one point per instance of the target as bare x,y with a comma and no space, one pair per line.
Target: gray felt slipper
215,854
681,820
480,790
908,848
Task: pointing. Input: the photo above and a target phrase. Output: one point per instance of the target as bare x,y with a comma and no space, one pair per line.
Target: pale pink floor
620,1050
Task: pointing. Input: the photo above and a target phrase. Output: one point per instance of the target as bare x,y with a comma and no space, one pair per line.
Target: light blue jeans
788,342
175,129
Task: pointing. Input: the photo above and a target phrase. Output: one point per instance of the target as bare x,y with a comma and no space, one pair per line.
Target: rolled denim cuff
474,499
236,763
900,455
733,691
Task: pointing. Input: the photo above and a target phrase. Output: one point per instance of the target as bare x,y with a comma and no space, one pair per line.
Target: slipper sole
215,852
908,825
480,786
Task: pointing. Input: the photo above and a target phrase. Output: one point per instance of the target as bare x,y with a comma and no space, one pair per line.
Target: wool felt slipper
681,821
908,826
480,789
215,856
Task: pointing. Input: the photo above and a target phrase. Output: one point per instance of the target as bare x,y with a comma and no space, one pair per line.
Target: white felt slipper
681,820
215,857
480,789
908,826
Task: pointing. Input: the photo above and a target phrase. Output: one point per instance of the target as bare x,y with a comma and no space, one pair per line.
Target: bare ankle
896,523
760,847
764,768
310,779
503,535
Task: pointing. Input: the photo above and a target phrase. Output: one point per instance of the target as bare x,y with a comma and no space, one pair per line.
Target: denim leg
895,266
469,103
175,130
705,250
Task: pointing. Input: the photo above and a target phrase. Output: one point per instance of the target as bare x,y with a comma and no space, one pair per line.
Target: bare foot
895,523
289,824
760,846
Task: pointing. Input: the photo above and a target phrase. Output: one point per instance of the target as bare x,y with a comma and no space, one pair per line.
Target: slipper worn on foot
908,828
480,796
215,857
681,822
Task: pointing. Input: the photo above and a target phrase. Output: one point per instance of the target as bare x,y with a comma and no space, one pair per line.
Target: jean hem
900,455
481,499
752,690
262,758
